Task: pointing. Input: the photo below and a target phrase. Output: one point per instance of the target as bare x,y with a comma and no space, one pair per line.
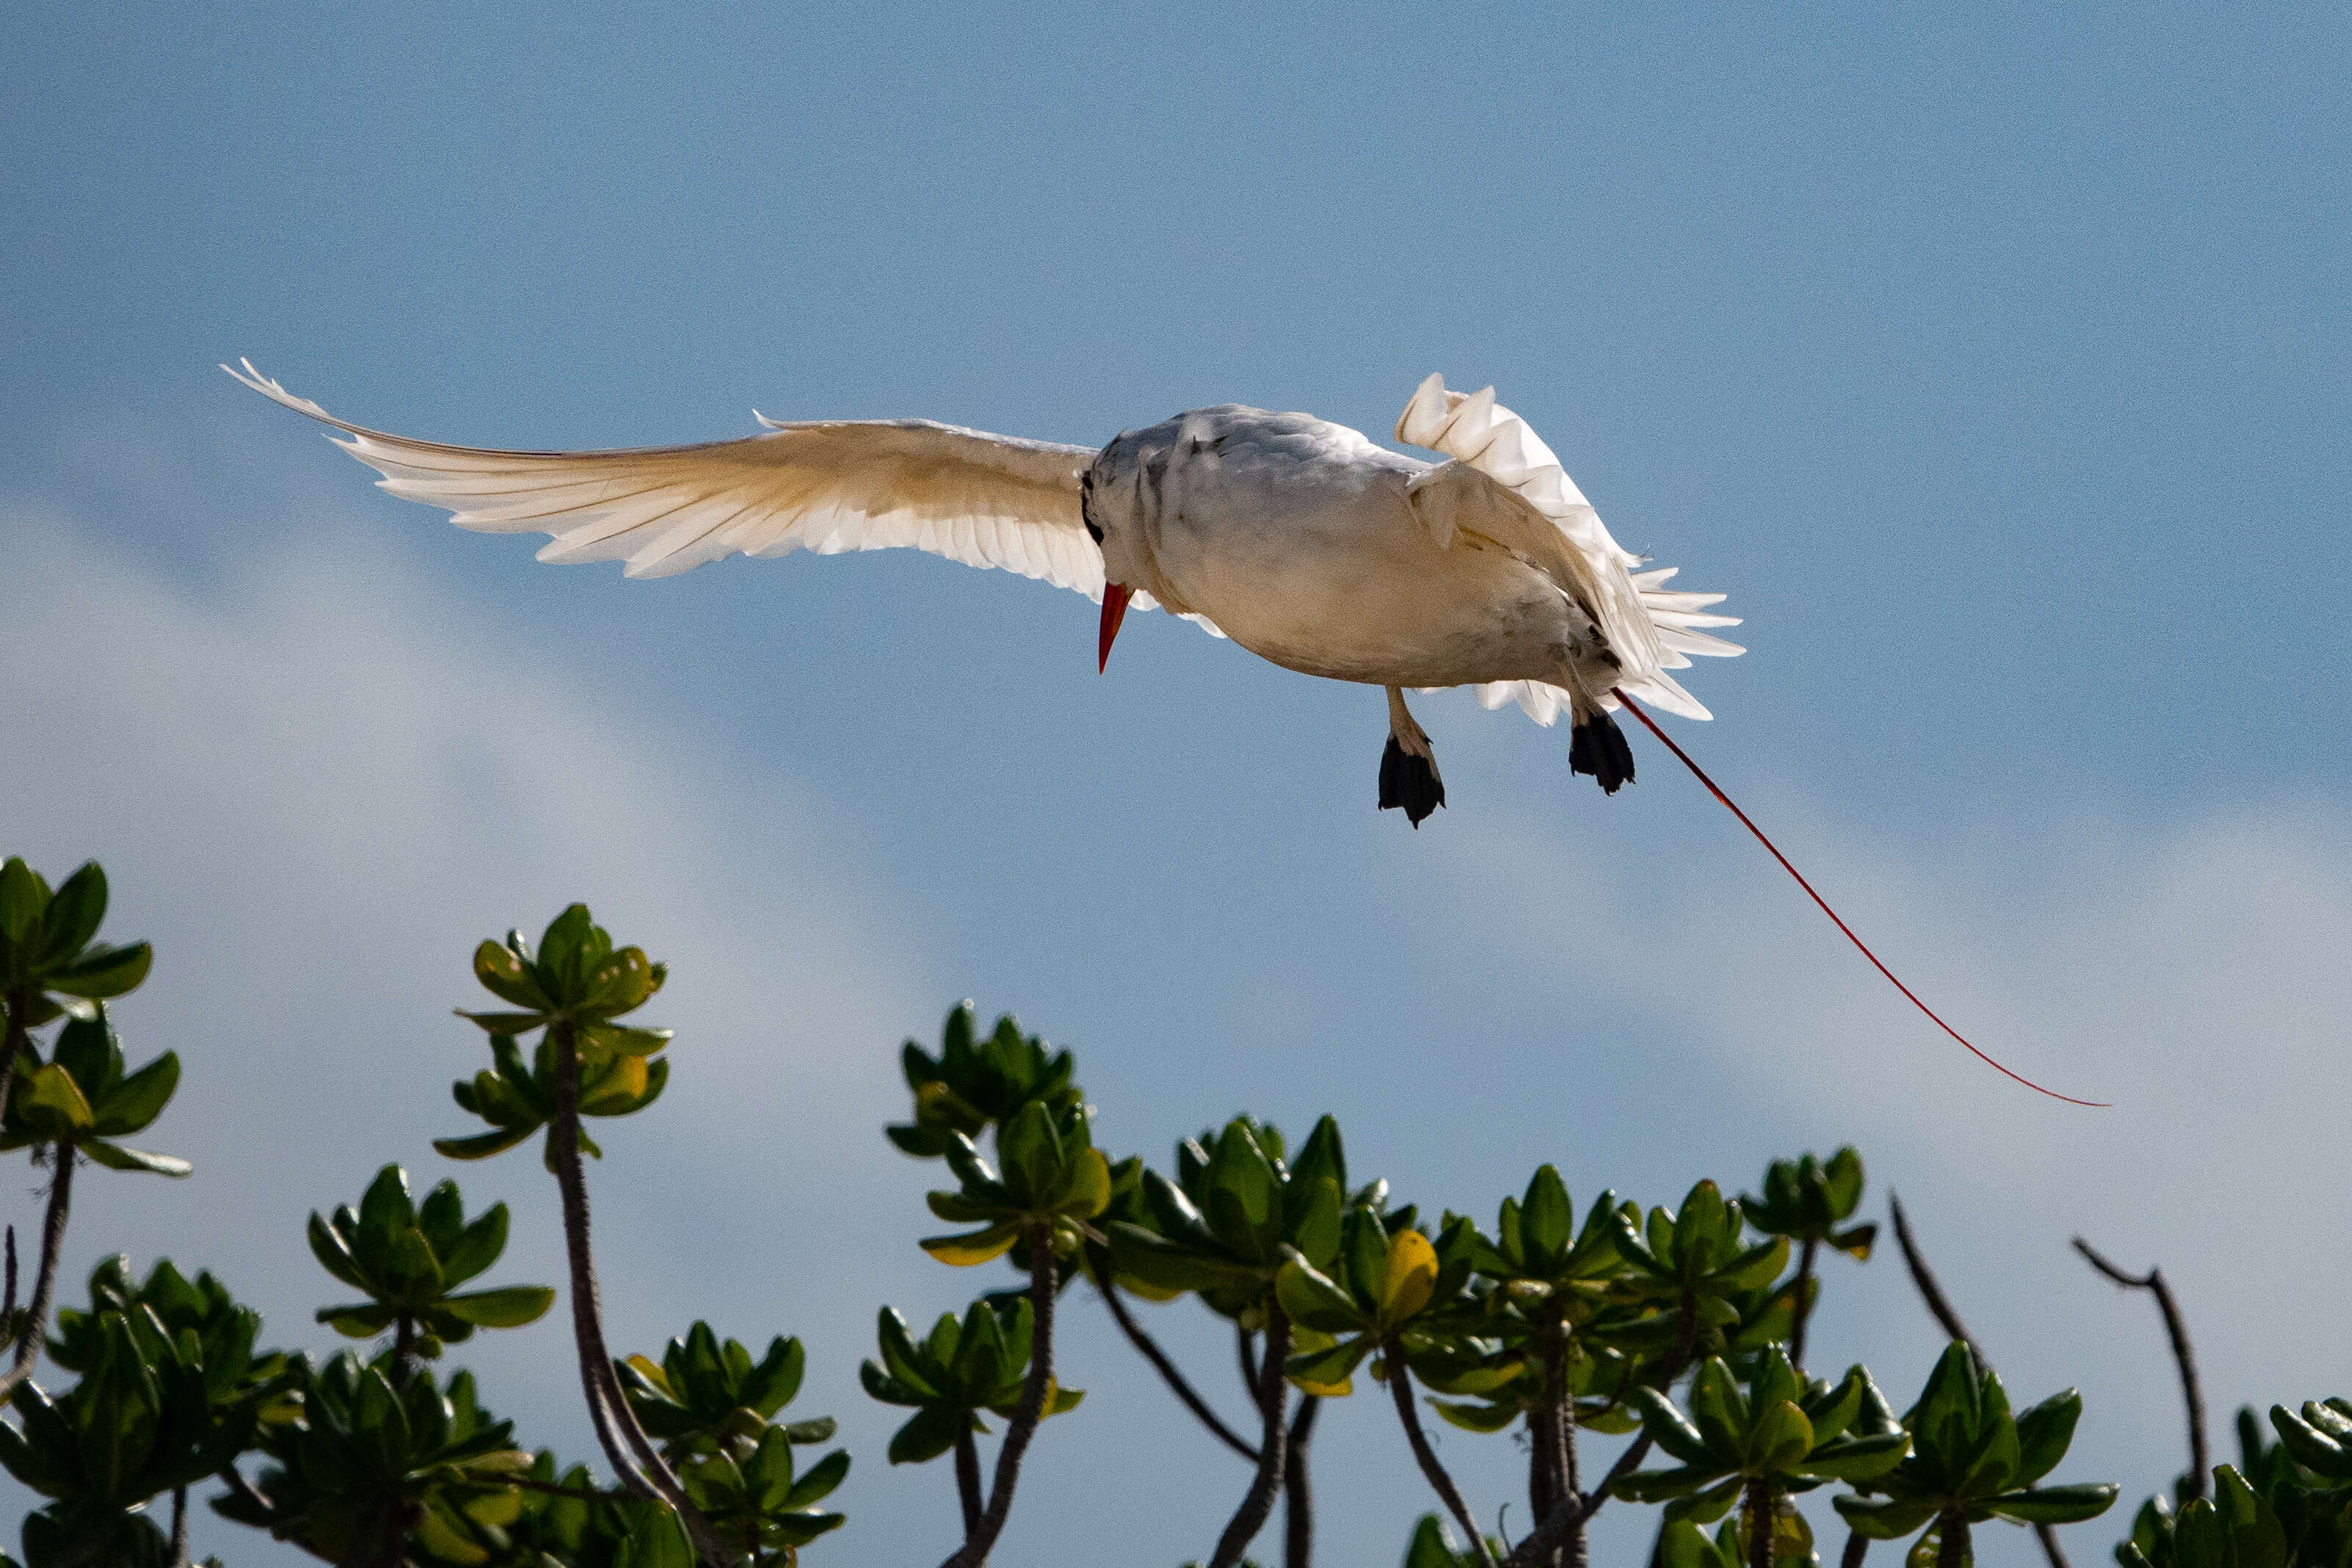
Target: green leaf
1780,1439
1475,1418
973,1247
1546,1221
1312,1299
482,1145
506,1307
2044,1432
359,1321
51,1103
1858,1458
931,1433
1884,1519
74,913
114,1156
1667,1427
477,1246
1326,1372
23,900
103,972
2054,1505
327,1245
138,1099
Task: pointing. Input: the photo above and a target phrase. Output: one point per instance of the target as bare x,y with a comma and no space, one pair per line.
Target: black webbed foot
1409,781
1598,747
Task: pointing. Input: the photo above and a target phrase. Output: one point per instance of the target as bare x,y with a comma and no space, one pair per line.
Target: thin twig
1399,1378
2183,1356
1168,1371
1298,1490
179,1527
1023,1424
1857,1547
1933,1294
1804,1304
53,1241
1246,1348
1929,1291
1273,1391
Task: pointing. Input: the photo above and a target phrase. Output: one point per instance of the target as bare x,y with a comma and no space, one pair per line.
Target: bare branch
1572,1515
1929,1291
966,1472
1167,1369
1400,1380
1023,1424
44,1283
1273,1392
2176,1327
1933,1294
617,1431
1298,1490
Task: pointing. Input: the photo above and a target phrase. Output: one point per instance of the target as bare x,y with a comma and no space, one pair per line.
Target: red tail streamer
1715,790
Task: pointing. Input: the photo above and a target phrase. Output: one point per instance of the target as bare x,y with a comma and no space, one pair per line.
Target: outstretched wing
827,486
1504,483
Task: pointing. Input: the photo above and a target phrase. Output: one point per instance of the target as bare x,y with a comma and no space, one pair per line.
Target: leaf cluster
954,1373
50,964
576,985
408,1258
82,1093
974,1084
1054,1179
378,1444
1788,1431
1970,1458
1810,1199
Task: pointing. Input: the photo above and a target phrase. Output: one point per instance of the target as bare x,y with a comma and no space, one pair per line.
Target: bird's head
1126,563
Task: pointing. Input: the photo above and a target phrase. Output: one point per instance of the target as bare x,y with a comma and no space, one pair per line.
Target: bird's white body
1299,538
1304,541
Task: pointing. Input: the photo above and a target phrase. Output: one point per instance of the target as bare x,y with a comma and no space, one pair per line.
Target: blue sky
1994,365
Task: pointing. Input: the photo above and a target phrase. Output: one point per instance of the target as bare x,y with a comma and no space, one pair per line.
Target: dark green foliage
1223,1228
1807,1199
50,964
1715,1290
1054,1177
154,1410
381,1450
408,1258
585,1529
1973,1461
706,1396
1380,1285
954,1373
577,982
1789,1432
82,1093
710,1404
973,1084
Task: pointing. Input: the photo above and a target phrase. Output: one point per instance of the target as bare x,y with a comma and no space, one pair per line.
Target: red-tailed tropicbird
1302,540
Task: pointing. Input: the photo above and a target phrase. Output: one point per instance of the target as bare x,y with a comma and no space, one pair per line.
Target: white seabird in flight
1300,539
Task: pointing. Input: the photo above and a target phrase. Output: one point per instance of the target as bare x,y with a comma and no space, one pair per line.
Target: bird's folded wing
984,501
1505,484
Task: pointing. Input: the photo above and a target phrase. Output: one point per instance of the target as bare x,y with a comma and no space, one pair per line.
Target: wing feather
1533,507
827,485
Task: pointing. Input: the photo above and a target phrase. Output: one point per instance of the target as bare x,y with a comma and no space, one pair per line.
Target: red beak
1115,598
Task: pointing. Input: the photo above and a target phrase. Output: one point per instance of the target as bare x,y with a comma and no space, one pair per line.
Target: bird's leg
1408,766
1596,746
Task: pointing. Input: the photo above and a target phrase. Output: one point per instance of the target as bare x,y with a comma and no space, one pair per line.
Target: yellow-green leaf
974,1246
1410,1278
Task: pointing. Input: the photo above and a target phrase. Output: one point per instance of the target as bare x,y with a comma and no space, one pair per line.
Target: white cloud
315,784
